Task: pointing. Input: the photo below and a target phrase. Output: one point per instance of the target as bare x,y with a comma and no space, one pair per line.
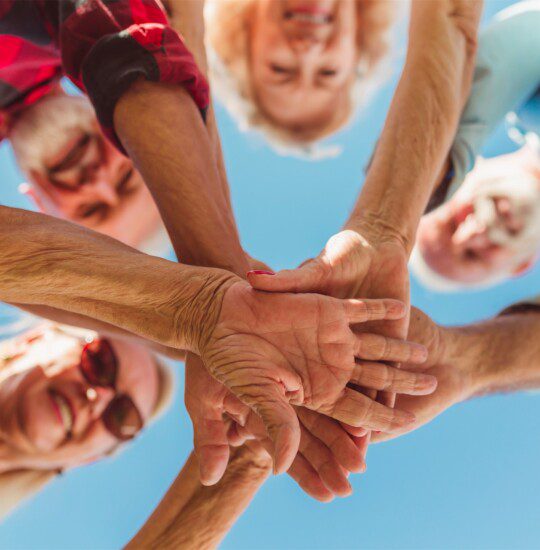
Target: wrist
466,350
377,230
196,312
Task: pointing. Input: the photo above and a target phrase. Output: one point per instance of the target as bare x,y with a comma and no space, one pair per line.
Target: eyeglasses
99,367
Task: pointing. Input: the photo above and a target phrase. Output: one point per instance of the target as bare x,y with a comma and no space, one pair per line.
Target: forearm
104,329
49,262
165,136
187,17
501,354
421,122
194,516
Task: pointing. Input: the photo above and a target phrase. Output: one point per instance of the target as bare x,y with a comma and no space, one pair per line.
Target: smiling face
51,417
79,175
303,58
297,69
491,228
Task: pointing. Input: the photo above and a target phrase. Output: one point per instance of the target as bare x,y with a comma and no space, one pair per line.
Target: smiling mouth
63,409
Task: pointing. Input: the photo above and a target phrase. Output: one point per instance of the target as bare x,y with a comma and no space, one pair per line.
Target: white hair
44,128
432,280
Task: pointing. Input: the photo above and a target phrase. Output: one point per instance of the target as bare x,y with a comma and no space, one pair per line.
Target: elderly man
489,230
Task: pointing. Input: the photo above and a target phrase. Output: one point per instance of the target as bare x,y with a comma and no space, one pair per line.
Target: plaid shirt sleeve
29,63
108,44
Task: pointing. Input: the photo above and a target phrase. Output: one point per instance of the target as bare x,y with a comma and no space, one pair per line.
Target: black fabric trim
111,66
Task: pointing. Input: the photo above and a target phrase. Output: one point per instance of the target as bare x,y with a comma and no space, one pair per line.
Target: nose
105,192
98,398
471,234
306,45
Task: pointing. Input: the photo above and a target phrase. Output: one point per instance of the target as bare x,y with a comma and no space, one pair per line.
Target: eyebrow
71,156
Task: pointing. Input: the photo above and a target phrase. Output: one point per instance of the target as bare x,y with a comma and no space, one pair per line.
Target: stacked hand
273,351
352,265
456,381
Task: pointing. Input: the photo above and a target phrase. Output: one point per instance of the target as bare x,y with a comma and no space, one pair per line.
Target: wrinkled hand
350,266
326,454
275,350
454,380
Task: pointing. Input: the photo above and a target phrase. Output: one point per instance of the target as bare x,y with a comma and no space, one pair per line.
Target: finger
374,347
237,435
309,480
281,424
358,410
362,444
321,459
361,311
353,430
379,376
334,436
211,447
307,278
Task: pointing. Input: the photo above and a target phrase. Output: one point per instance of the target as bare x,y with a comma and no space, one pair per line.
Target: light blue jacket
506,80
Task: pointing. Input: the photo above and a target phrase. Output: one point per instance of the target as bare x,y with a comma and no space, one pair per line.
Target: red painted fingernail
260,272
376,432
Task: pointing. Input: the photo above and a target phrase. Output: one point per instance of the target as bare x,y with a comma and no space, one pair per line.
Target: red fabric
101,45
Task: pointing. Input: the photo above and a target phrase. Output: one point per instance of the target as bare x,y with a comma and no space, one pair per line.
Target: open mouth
308,17
63,410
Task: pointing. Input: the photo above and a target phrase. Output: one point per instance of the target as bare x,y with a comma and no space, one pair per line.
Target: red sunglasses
99,367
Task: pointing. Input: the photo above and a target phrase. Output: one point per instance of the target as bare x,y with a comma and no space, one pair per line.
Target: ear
523,267
40,198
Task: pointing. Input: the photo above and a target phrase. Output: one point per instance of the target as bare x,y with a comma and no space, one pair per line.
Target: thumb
309,277
211,446
282,427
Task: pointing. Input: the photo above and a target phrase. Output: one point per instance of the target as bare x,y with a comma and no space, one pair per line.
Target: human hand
326,453
353,264
455,378
275,350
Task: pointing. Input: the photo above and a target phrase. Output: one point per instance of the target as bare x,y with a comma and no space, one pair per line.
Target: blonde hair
18,486
228,24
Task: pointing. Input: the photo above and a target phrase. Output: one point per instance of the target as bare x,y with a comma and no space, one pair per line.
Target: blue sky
467,480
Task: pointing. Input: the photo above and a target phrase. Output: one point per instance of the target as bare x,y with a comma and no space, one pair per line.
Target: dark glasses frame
99,367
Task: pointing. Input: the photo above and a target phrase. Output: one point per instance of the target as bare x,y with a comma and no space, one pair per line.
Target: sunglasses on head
99,367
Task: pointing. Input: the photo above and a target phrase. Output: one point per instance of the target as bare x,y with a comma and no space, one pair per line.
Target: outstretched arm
49,262
421,122
194,516
497,355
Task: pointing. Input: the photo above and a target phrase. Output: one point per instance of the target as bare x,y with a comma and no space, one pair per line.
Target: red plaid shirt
101,45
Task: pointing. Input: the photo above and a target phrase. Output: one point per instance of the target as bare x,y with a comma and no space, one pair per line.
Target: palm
275,350
302,345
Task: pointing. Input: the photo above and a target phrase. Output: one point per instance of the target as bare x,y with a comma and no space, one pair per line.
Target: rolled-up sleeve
507,73
108,44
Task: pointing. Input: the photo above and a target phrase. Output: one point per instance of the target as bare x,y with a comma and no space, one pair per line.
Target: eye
328,72
127,184
280,69
98,211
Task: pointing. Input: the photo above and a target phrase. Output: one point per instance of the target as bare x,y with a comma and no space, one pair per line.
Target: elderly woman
489,228
297,70
67,398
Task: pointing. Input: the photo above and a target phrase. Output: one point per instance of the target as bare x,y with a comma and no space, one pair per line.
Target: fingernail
260,272
377,432
364,468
